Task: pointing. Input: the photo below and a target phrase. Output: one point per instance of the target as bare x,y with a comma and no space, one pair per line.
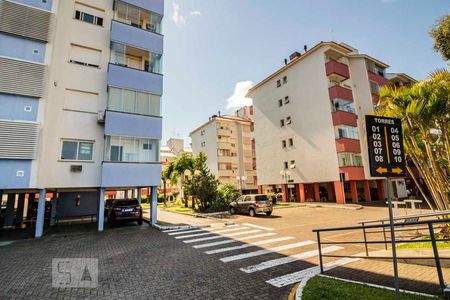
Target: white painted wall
210,139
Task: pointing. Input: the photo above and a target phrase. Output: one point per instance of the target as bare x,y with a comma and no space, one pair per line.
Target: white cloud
178,18
238,98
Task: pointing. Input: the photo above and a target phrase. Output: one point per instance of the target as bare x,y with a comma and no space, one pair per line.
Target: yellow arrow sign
381,170
397,170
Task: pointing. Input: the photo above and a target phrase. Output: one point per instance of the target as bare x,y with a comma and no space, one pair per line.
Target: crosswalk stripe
220,236
178,229
265,251
298,276
193,235
229,230
249,245
215,244
288,259
184,232
257,226
251,237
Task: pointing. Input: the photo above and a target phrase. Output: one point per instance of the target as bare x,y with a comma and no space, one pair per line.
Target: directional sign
385,145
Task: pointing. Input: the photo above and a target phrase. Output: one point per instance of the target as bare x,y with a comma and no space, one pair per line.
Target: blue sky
213,46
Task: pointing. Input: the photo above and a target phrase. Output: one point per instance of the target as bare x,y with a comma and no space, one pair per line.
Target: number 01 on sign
385,145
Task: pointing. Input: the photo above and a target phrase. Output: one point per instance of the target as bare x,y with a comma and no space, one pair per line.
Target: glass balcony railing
137,17
131,57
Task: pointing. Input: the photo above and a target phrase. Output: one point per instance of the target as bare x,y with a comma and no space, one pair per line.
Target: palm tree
167,174
186,162
424,109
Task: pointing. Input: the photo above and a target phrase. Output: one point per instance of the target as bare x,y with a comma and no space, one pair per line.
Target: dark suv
125,210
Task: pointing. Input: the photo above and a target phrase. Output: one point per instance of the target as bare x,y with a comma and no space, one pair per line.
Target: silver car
252,204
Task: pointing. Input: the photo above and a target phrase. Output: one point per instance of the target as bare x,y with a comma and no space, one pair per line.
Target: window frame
92,142
95,18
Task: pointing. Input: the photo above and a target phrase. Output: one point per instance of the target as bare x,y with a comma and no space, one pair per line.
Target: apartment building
227,142
80,93
309,125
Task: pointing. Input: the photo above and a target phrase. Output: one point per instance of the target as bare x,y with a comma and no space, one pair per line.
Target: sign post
387,159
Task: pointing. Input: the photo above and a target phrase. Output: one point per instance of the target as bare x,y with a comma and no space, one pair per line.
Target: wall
8,174
210,138
66,204
16,107
21,48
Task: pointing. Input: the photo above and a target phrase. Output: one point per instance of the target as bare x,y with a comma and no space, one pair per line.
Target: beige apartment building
309,125
227,141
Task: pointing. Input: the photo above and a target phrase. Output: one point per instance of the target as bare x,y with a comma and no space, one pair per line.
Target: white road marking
249,245
178,229
288,259
184,232
266,251
251,237
215,244
229,230
310,272
215,237
259,227
193,235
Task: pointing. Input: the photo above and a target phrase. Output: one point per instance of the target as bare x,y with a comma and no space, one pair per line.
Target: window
77,150
291,142
131,57
284,79
343,105
137,17
131,149
134,102
85,56
202,132
374,87
288,121
286,165
280,103
348,132
347,159
203,144
286,100
282,123
292,165
88,18
283,143
278,83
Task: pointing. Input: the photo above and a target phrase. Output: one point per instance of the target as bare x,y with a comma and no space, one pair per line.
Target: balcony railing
348,145
378,79
340,92
337,71
344,118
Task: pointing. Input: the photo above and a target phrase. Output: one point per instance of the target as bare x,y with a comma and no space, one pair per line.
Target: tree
440,32
181,165
424,109
168,174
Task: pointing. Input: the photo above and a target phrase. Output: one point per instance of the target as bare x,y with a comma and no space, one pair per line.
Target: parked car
125,210
252,204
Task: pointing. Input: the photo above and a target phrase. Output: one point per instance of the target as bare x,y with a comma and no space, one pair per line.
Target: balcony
133,79
156,6
224,132
227,159
378,79
119,174
343,118
127,34
353,173
227,173
348,145
126,124
339,92
337,71
224,145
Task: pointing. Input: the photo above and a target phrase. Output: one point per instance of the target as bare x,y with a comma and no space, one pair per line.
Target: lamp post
286,175
241,180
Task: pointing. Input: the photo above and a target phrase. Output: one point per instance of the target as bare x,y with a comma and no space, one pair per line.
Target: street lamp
286,175
241,181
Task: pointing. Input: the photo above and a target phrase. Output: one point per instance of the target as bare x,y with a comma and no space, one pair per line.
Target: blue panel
125,124
8,174
19,108
130,174
133,79
156,6
42,4
140,38
20,48
67,206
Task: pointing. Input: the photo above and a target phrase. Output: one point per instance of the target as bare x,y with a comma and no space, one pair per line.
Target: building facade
80,93
227,142
309,125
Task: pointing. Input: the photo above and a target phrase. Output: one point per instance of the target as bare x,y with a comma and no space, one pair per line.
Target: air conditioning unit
76,168
101,116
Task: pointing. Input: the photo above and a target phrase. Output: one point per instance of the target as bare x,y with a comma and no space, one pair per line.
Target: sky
215,50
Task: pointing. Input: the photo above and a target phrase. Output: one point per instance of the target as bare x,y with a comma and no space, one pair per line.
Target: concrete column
20,208
101,210
301,192
40,214
381,190
284,192
53,211
127,194
330,191
316,192
31,198
260,189
339,192
354,191
133,193
139,195
367,191
274,188
153,205
9,214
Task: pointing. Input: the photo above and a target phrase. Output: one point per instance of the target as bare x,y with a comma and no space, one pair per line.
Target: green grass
423,245
284,204
145,205
319,288
180,209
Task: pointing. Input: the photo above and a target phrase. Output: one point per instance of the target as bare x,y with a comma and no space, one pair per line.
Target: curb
356,207
162,227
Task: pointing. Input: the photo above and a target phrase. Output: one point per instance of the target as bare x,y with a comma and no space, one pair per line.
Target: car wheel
252,212
140,222
232,210
268,213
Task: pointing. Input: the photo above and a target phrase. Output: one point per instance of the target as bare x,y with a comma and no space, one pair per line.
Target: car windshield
127,202
261,198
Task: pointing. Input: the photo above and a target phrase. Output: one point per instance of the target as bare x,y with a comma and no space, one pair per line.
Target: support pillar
101,210
9,214
367,195
53,210
300,192
31,198
40,214
316,192
381,190
330,191
133,193
274,188
139,195
153,206
339,192
20,208
284,192
354,191
126,194
260,189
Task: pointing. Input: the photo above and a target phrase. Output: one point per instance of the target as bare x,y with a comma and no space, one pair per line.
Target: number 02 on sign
385,145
